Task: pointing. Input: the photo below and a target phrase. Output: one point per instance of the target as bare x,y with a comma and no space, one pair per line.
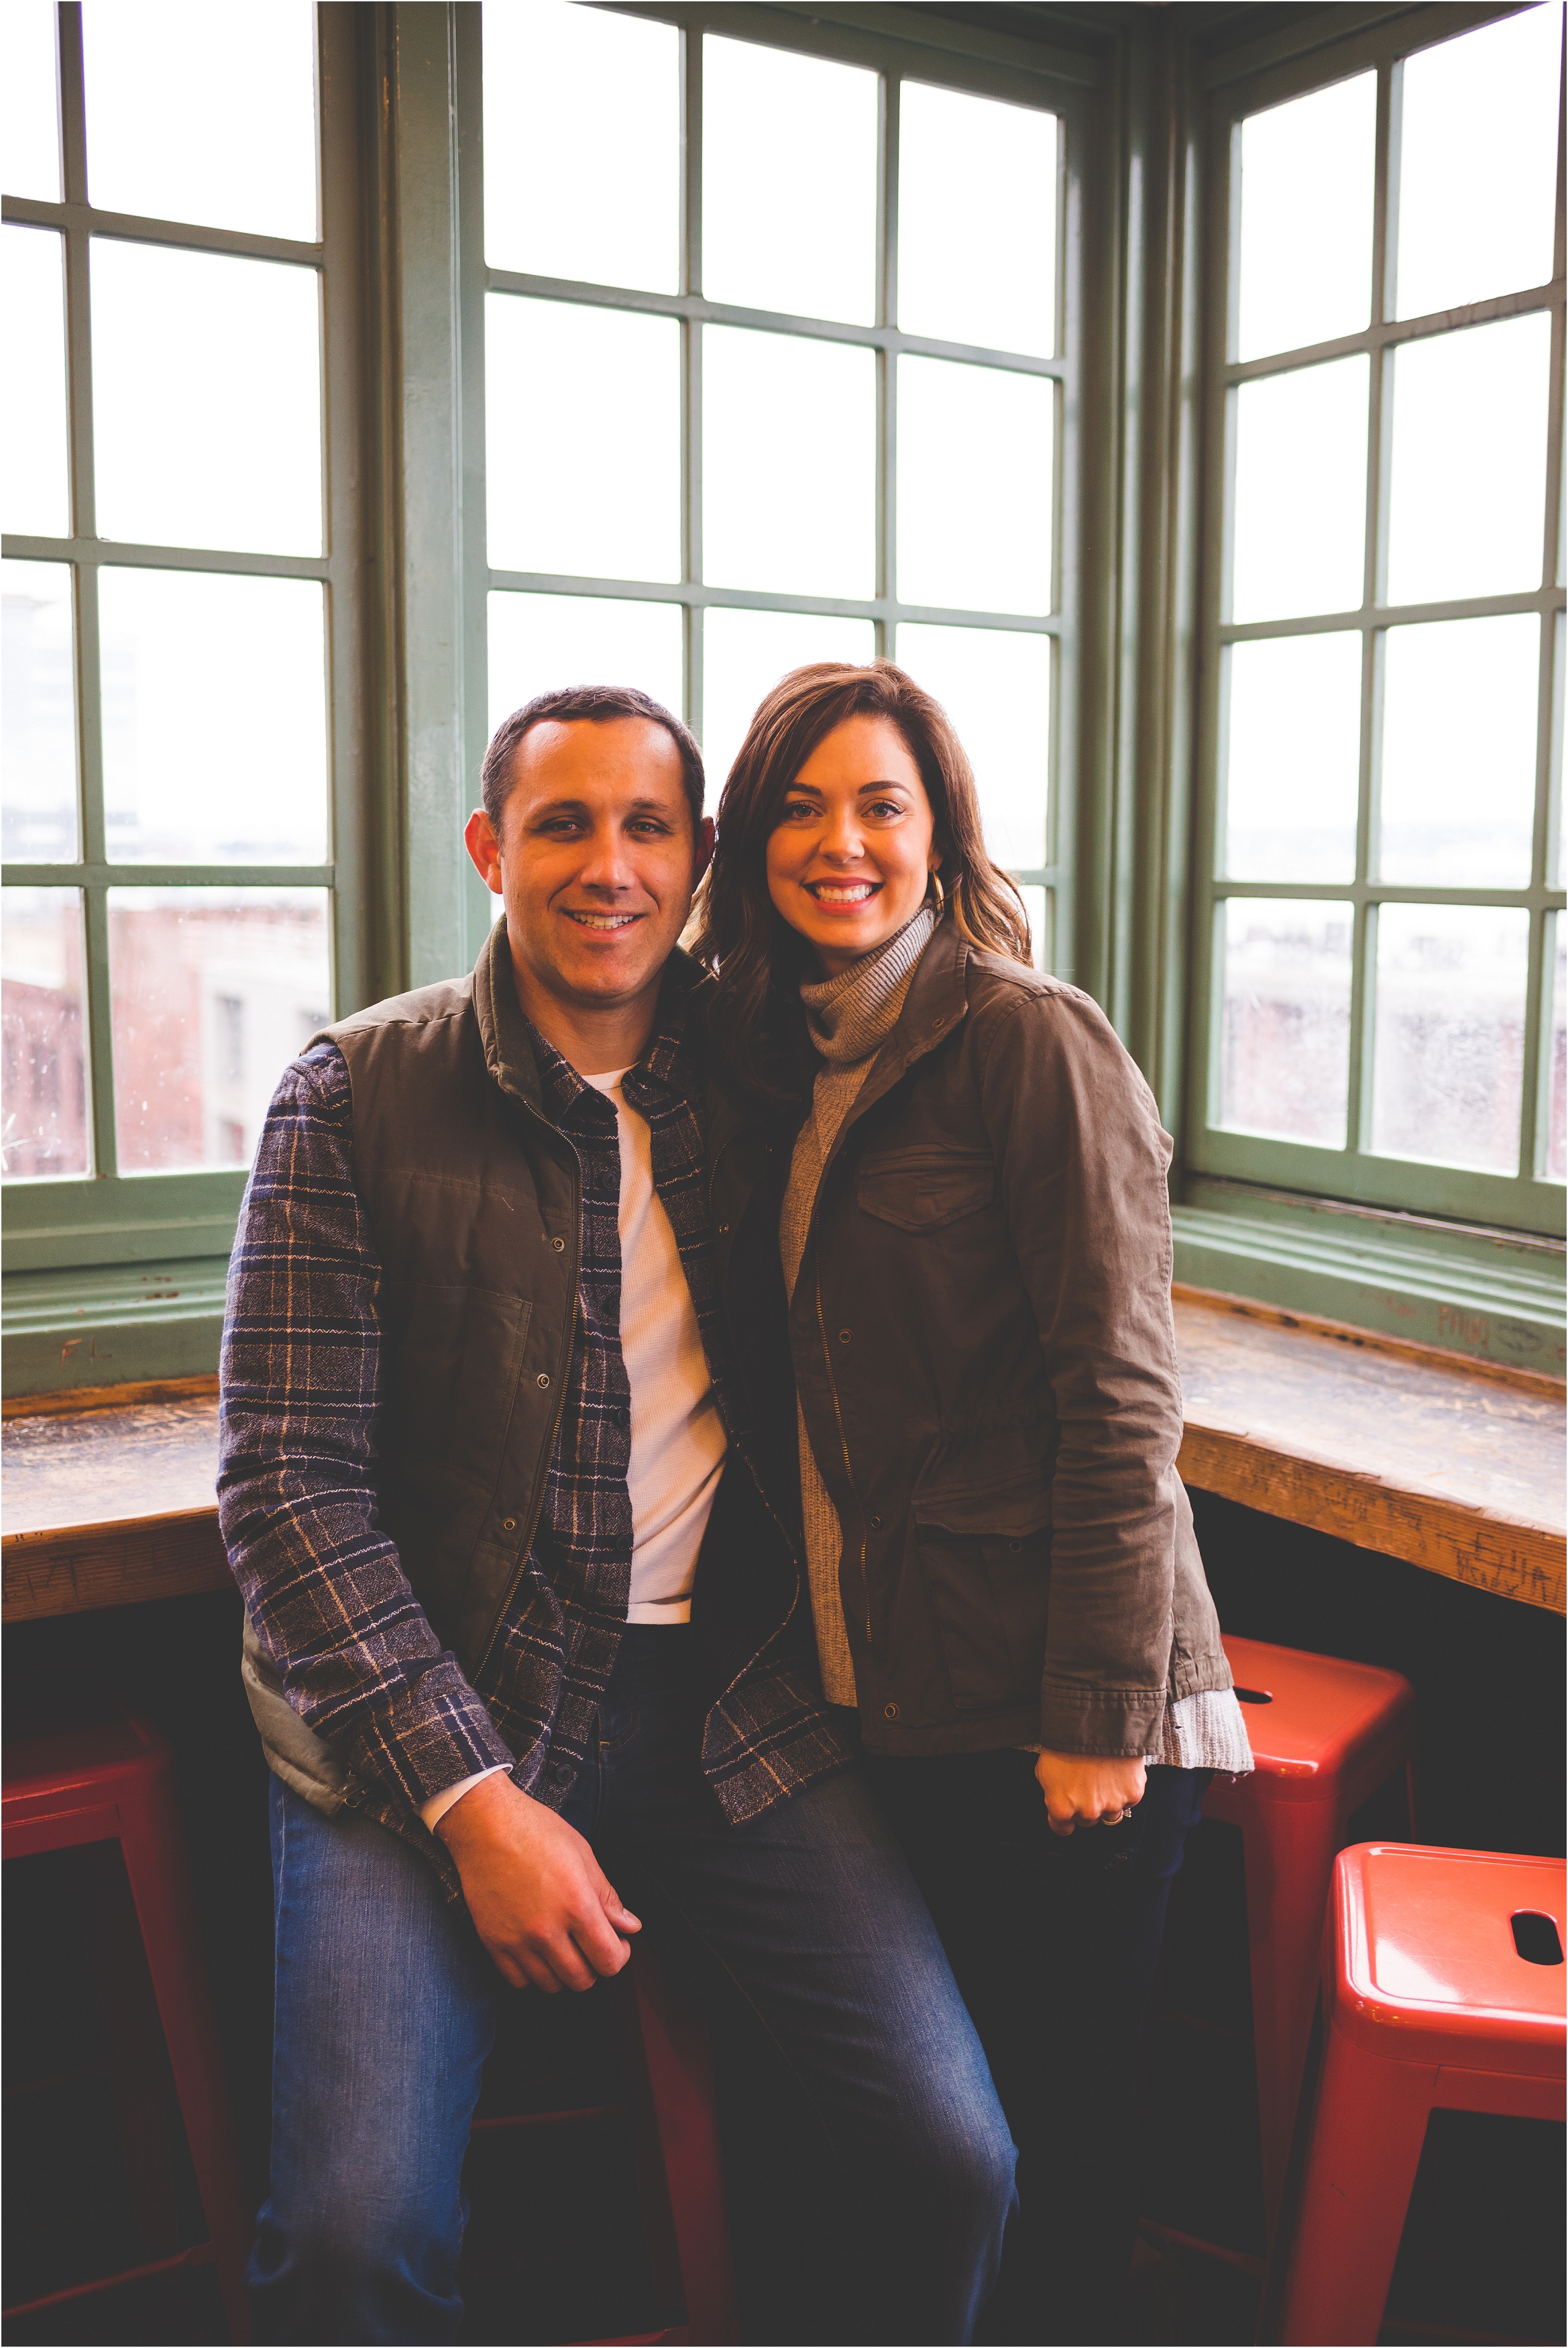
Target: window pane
588,184
197,113
1557,1091
1037,909
1284,1059
38,475
583,409
214,992
215,722
789,183
540,641
1467,502
977,220
29,102
1300,492
744,653
38,710
206,399
1307,171
996,687
1478,163
1450,1045
975,463
45,1112
1458,753
1292,758
789,464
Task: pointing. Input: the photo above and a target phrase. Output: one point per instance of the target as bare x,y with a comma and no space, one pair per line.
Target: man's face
597,860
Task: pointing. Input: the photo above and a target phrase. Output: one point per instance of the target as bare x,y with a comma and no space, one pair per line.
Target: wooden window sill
1453,1465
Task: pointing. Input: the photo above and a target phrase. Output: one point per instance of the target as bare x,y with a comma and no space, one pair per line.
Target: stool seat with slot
1327,1737
112,1781
1442,1989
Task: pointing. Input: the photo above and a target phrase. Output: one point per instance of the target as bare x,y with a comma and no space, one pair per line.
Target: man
520,1597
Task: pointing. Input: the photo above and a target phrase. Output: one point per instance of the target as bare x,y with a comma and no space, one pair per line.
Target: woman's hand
1087,1789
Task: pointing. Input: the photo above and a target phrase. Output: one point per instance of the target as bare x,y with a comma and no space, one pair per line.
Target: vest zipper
563,1366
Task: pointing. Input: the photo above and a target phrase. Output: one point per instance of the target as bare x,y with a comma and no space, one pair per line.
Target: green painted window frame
1526,1202
946,54
111,1250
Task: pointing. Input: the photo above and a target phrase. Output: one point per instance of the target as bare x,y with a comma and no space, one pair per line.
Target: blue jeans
387,2005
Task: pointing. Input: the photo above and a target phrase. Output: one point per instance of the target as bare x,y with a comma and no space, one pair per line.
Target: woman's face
852,852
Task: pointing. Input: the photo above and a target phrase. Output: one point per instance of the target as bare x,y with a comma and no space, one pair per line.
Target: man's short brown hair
599,704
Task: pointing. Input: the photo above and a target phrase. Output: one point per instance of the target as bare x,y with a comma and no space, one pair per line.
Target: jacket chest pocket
923,1190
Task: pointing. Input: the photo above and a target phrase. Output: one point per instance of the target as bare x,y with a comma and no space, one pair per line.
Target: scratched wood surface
1456,1467
108,1505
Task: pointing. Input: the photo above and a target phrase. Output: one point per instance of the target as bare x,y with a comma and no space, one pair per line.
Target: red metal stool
1442,1990
1326,1735
114,1782
670,2105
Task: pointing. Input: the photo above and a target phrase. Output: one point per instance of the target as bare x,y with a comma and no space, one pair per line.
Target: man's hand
537,1895
1086,1790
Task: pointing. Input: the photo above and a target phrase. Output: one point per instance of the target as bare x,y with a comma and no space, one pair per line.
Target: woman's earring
941,893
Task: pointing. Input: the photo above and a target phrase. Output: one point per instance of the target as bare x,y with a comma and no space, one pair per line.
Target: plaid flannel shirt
325,1588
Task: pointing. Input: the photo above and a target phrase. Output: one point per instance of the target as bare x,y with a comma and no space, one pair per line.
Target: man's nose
605,863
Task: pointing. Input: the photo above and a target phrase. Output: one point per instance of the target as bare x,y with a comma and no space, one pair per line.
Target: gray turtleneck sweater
849,1018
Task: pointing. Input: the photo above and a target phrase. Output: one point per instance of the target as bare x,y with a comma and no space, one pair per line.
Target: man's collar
515,1062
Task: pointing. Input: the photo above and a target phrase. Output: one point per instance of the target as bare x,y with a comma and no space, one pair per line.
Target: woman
975,1237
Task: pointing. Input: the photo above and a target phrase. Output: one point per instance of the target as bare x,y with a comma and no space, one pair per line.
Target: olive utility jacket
984,1350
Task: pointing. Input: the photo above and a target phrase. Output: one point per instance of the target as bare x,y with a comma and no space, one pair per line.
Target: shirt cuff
439,1803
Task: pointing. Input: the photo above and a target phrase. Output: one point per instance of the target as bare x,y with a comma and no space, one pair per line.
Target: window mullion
890,88
693,629
100,1032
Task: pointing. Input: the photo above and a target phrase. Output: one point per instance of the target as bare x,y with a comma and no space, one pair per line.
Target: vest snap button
845,1336
1015,1547
558,1245
876,1524
541,1380
723,1230
890,1712
508,1524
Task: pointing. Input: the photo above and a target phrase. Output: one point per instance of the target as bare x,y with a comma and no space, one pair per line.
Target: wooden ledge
1453,1465
109,1497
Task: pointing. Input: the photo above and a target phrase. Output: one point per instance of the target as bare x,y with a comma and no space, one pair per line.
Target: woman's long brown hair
757,959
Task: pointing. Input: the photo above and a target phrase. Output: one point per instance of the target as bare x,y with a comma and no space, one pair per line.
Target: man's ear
479,839
702,855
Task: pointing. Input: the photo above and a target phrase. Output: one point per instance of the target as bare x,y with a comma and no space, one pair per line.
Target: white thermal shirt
678,1440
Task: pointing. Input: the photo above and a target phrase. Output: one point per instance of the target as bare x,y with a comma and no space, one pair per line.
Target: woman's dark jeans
1054,1942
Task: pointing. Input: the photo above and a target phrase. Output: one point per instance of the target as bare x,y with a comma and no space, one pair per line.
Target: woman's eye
798,811
885,808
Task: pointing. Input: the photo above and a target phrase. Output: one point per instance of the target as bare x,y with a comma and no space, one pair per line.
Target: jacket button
723,1230
541,1380
845,1336
1015,1547
508,1524
890,1712
558,1245
876,1524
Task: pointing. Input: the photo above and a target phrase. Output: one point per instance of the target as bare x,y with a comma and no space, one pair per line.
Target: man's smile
601,921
